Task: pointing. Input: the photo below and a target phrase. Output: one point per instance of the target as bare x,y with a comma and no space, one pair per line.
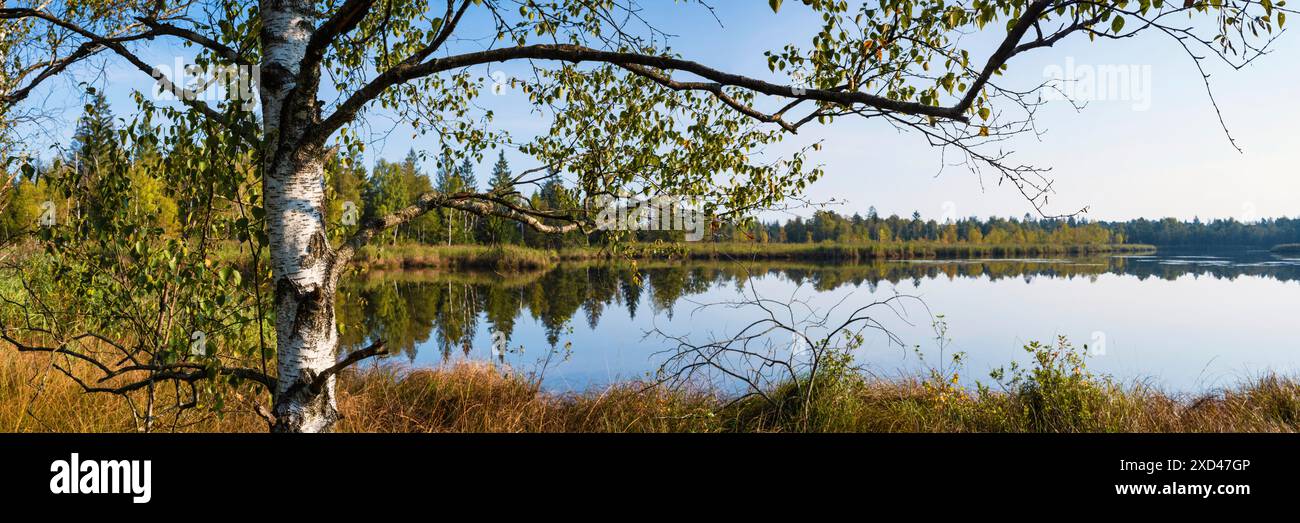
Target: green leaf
776,5
1117,24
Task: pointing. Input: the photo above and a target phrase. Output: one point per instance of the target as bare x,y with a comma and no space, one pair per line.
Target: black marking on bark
314,310
317,249
312,314
275,76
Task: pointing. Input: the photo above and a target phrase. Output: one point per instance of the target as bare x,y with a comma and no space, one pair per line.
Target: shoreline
513,257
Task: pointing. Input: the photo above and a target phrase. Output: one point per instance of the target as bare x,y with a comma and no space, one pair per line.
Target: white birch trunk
294,197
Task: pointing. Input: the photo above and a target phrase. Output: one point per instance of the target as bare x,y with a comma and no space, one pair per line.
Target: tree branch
115,44
221,50
378,348
576,54
1006,50
480,204
181,371
345,19
719,93
644,65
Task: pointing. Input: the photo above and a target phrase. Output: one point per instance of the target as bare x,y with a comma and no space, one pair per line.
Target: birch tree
627,113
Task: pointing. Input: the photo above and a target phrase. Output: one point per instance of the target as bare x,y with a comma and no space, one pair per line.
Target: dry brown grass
480,398
471,397
35,397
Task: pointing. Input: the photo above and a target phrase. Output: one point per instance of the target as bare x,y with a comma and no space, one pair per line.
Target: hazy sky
1171,159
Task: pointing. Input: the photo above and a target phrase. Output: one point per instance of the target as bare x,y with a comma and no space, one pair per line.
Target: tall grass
469,397
513,257
1049,396
494,257
36,397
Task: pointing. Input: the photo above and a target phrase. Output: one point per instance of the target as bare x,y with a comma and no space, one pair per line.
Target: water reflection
435,316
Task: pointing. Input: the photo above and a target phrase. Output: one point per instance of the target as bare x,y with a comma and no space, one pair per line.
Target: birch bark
294,194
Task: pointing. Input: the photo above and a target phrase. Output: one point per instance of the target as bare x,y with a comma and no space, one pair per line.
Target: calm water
1182,321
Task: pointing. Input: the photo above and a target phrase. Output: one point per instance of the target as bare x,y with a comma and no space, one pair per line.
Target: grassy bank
501,257
480,398
510,257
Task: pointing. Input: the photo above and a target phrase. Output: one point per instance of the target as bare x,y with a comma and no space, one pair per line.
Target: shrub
1056,394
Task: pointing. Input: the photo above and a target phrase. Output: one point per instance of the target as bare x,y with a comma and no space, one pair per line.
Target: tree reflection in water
410,309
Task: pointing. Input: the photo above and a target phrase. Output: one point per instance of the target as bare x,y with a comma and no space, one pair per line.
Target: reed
477,397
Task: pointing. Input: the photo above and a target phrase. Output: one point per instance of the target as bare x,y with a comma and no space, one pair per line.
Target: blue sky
1170,160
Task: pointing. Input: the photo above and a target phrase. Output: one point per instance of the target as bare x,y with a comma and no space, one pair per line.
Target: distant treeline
390,186
830,226
1220,232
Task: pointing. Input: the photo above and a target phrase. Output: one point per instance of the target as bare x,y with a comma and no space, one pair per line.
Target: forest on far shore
388,186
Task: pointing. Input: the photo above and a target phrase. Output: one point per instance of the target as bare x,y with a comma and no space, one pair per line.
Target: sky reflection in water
1184,322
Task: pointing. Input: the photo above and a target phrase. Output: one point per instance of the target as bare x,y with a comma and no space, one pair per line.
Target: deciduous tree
627,114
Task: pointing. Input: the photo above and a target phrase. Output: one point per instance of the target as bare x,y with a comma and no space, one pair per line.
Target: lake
1182,321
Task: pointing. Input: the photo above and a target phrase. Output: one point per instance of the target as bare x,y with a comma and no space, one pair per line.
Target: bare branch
116,44
378,348
490,204
226,53
576,54
181,371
